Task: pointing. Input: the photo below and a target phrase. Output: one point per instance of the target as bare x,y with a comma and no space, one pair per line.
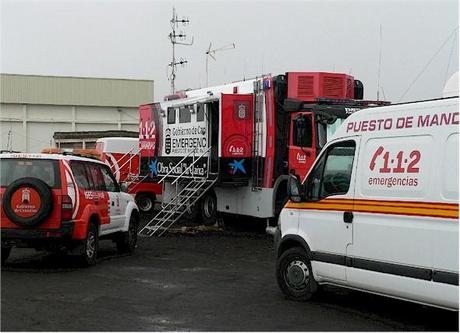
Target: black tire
5,253
145,202
294,274
208,208
46,198
128,240
90,246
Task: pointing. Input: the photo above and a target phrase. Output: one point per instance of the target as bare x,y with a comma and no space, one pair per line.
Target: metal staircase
189,189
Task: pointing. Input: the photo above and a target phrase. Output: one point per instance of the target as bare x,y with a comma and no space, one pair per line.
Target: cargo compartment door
237,126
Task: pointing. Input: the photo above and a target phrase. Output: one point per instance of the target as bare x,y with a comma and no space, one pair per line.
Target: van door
325,218
395,217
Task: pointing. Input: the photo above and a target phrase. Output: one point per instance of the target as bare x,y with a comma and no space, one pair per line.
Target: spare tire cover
28,201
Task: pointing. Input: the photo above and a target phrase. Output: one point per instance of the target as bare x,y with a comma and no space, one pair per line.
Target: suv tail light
66,208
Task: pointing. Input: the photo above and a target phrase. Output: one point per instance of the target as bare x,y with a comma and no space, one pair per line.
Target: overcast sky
128,39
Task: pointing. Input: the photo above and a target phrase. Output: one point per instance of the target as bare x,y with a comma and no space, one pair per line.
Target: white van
378,212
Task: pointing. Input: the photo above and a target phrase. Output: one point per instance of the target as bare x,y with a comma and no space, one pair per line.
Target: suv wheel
90,246
128,240
294,274
5,253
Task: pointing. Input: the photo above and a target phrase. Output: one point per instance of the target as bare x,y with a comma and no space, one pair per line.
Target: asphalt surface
210,281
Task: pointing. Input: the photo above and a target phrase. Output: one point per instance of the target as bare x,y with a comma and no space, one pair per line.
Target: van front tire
294,274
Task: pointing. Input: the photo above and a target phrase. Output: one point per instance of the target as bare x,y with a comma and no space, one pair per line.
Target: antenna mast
212,52
177,38
380,65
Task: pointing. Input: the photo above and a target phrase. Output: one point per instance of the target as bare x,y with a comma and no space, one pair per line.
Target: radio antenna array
177,38
210,53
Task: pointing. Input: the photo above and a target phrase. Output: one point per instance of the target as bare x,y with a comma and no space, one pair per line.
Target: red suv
63,202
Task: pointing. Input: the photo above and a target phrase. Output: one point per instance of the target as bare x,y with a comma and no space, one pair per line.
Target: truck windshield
13,169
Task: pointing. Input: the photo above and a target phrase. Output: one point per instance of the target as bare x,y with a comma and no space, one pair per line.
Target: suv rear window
12,169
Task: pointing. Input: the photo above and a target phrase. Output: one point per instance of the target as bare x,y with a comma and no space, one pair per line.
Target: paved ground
220,281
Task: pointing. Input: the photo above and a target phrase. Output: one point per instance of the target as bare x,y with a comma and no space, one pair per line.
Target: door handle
348,217
96,202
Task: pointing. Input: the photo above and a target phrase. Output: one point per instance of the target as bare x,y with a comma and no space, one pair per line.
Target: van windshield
12,169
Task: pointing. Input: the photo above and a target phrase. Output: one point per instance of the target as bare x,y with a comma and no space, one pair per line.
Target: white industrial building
33,108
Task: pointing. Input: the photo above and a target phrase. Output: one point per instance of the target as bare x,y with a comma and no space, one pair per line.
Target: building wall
32,108
29,128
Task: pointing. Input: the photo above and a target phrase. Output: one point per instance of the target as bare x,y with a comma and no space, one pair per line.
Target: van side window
200,112
332,173
171,116
184,115
302,135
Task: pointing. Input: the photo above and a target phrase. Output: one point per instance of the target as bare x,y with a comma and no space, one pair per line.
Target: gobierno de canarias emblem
25,202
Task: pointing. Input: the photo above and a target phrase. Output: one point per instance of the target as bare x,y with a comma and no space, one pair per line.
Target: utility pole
177,38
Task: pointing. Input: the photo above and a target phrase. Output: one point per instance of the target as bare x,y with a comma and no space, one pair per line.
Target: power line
428,64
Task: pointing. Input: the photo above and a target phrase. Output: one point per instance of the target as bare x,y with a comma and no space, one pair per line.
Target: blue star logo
153,167
237,165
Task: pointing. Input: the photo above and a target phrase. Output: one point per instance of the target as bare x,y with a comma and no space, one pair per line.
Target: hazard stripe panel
410,208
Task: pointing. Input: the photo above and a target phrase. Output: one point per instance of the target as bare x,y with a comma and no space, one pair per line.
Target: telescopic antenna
177,38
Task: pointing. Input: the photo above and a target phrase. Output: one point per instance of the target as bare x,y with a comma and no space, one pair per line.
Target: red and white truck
122,155
231,148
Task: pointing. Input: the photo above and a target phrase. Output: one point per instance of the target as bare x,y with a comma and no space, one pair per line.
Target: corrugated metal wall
32,108
30,89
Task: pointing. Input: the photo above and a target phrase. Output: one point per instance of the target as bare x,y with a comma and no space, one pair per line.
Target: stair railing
191,165
182,160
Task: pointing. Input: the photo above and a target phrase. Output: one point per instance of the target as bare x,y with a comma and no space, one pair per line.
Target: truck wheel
5,253
145,202
128,240
90,246
208,205
294,274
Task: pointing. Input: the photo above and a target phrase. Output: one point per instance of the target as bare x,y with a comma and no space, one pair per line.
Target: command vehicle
230,149
123,155
63,202
379,209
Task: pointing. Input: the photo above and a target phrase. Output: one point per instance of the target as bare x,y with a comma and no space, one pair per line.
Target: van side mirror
294,190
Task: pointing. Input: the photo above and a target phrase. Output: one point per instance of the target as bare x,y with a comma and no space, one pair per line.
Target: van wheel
208,205
5,253
294,274
128,240
89,248
145,202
